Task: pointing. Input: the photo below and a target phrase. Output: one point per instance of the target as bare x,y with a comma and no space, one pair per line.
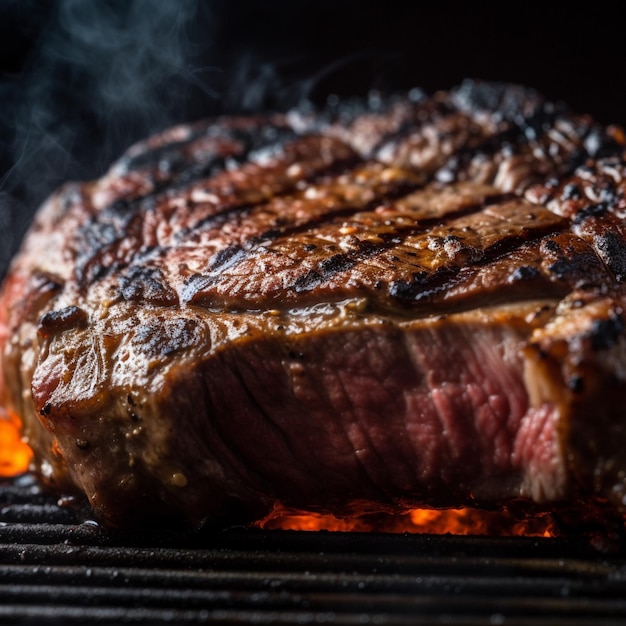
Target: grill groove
56,570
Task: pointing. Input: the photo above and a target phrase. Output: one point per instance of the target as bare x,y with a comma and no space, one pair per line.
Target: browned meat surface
413,301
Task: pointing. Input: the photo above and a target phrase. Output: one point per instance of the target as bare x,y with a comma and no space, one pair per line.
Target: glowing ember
15,455
464,521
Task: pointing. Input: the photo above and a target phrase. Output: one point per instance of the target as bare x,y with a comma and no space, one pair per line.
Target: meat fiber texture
396,302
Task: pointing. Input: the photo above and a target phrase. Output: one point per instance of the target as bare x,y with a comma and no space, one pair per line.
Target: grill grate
56,570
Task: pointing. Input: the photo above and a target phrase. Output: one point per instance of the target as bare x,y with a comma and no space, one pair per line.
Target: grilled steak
400,302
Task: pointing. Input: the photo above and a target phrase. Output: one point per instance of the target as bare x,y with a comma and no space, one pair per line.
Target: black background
165,62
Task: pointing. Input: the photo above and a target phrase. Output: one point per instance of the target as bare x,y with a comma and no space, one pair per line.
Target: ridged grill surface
57,569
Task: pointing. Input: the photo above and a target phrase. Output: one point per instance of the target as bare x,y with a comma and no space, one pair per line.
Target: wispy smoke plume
97,76
100,75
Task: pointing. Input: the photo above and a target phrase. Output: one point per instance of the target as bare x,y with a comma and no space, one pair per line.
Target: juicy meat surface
410,301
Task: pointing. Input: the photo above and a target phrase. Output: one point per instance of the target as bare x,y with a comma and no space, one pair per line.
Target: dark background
82,79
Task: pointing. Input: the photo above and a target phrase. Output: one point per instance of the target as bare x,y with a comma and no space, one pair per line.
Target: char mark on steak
407,301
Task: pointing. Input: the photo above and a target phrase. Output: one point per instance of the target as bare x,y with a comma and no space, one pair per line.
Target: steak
401,301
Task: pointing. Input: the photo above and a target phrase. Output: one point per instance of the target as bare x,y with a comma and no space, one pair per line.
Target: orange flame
15,454
463,521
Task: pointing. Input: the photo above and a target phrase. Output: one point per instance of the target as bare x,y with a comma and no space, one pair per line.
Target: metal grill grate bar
56,570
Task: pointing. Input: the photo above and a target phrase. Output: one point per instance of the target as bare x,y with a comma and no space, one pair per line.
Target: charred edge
592,210
167,158
611,248
509,102
527,116
506,246
418,294
171,157
182,175
338,263
45,284
551,246
269,139
505,141
594,142
438,112
423,286
147,284
326,269
605,333
604,178
345,111
226,258
343,262
178,170
64,319
92,269
565,268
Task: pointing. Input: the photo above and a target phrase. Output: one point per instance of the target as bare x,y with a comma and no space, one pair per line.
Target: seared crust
151,311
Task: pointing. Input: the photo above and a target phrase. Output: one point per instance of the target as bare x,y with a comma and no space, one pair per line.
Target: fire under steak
398,302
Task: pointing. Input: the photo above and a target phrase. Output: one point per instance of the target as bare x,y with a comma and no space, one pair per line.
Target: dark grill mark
111,225
307,281
335,264
194,287
170,153
147,284
214,221
226,257
409,290
172,157
240,220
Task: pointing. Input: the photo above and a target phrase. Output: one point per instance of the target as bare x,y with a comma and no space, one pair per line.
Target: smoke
94,76
90,77
80,80
100,75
